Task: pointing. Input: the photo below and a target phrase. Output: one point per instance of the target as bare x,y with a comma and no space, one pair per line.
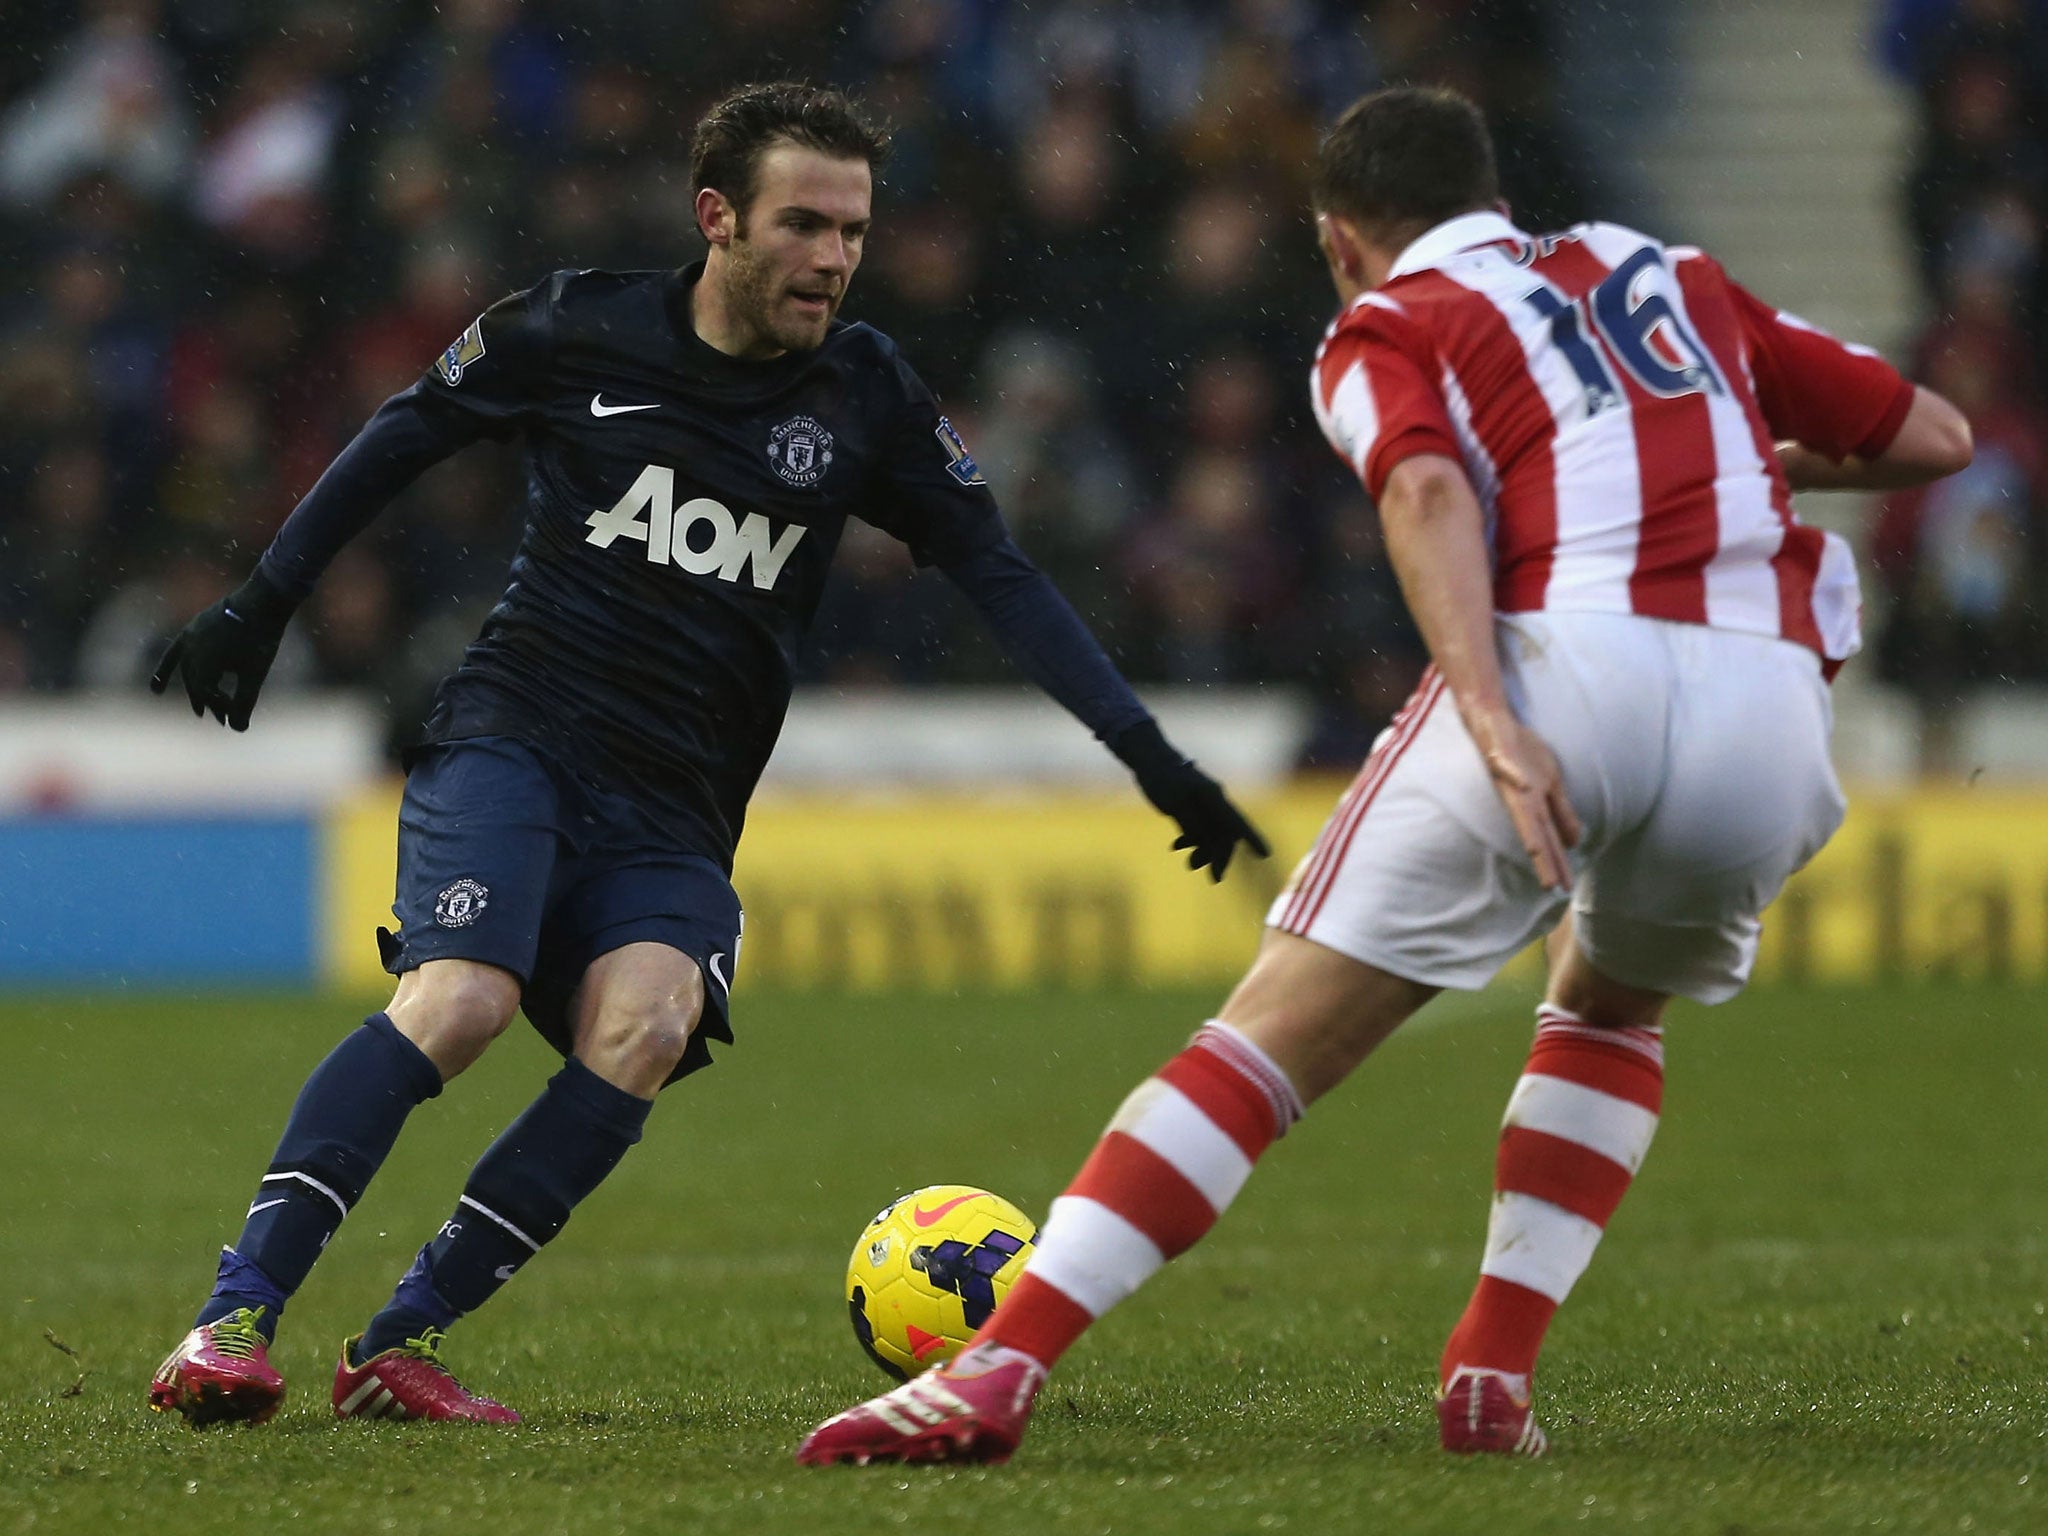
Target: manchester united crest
801,451
462,903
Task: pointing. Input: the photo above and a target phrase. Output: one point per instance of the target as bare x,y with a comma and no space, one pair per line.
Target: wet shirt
682,510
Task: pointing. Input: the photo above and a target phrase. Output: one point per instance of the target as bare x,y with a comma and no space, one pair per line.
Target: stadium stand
244,225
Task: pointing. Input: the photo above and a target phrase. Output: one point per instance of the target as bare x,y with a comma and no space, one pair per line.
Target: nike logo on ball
599,408
925,1218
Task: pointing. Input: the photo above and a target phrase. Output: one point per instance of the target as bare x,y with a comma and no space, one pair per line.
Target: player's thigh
1418,872
477,847
1318,1013
1749,796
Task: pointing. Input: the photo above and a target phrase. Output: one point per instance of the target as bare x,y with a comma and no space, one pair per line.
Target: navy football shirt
682,510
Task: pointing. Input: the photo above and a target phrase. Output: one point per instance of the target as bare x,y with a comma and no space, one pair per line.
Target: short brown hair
734,134
1406,158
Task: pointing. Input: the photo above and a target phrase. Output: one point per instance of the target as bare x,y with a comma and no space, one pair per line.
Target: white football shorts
1696,758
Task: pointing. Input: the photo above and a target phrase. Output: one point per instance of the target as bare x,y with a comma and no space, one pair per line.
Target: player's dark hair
1403,159
734,134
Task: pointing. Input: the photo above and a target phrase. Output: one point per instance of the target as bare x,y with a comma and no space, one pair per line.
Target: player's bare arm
1436,537
1933,441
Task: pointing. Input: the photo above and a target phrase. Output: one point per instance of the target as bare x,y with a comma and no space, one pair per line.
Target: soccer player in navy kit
695,441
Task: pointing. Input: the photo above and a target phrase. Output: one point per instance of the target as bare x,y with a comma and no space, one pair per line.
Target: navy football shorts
504,856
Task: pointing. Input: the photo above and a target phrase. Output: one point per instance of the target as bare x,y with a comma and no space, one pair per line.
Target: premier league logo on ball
801,450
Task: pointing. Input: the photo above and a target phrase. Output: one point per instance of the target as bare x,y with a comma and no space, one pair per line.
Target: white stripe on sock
308,1180
1161,1117
501,1221
1092,1254
1618,1130
1534,1243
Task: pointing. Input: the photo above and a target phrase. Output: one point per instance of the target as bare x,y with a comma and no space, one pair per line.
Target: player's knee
1595,998
481,1003
453,1009
635,1013
649,1032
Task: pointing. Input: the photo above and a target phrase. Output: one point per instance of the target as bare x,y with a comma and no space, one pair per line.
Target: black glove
1210,826
226,652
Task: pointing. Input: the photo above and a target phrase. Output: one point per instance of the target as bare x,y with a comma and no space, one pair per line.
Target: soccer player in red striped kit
1582,446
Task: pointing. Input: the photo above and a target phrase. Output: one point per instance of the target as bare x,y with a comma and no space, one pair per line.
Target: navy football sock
518,1197
340,1130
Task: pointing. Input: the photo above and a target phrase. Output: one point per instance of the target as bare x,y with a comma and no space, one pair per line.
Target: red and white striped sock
1577,1129
1174,1156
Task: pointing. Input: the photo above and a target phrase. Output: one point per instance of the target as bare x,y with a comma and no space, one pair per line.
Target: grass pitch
1824,1307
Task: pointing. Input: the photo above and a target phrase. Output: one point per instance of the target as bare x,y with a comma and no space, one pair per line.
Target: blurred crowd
239,224
1963,564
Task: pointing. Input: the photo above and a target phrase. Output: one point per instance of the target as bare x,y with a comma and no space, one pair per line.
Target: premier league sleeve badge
462,351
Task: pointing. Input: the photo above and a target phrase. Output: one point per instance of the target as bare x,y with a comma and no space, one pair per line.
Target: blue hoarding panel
141,901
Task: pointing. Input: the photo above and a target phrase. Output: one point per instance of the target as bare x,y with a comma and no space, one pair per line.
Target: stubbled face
794,250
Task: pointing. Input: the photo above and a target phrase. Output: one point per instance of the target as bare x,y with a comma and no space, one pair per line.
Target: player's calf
1578,1126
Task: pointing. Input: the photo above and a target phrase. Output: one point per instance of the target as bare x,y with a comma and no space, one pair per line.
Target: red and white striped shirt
1615,403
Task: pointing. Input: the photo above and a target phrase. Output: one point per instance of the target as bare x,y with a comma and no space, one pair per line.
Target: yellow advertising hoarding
1072,890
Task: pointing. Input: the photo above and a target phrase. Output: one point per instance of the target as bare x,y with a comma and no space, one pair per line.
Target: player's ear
716,218
1343,247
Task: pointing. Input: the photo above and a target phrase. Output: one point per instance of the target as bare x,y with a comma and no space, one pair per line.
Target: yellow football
928,1271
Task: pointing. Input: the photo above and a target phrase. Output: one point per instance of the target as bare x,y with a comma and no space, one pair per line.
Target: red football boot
974,1408
220,1374
410,1382
1486,1410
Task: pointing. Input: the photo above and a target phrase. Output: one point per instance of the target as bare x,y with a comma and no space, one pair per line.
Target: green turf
1825,1307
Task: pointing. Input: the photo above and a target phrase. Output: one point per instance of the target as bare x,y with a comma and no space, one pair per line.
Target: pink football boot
410,1382
1485,1410
974,1408
220,1374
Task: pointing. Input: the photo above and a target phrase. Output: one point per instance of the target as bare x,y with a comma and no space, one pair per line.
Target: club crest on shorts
459,905
462,351
801,450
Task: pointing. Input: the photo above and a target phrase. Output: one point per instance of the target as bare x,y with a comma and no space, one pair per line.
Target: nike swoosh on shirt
504,1271
266,1205
599,408
925,1218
